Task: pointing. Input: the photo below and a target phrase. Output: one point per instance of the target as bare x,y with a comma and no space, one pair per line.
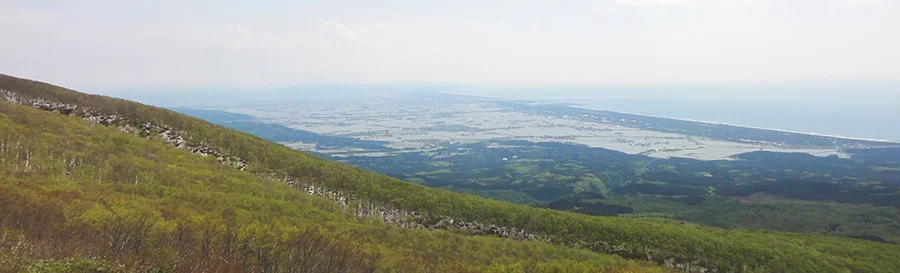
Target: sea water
872,114
873,121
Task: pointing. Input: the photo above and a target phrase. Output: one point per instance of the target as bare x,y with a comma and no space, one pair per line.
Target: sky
625,43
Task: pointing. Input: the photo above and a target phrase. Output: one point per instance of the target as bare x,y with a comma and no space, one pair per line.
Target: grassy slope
74,190
714,248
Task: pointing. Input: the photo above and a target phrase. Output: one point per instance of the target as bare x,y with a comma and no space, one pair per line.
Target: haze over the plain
830,66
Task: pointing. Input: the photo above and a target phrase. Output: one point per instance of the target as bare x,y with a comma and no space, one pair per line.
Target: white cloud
604,10
239,29
11,13
862,3
652,3
339,29
759,2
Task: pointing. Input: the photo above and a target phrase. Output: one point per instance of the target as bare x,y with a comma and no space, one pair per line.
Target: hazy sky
101,43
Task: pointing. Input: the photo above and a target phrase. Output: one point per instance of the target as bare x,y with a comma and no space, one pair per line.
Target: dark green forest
857,197
759,190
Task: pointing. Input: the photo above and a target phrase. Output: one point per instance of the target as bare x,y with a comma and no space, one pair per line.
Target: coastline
583,107
737,125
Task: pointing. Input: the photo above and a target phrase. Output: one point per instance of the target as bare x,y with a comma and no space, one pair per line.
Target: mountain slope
76,196
686,247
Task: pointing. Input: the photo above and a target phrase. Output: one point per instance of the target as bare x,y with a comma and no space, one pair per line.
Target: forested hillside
80,190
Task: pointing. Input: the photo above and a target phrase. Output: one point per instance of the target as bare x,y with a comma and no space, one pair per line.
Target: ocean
872,115
850,120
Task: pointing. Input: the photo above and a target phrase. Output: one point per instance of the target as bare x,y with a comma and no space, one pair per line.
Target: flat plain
422,125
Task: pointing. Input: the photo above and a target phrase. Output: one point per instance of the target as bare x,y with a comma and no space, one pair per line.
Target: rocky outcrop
147,130
62,108
408,219
477,228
